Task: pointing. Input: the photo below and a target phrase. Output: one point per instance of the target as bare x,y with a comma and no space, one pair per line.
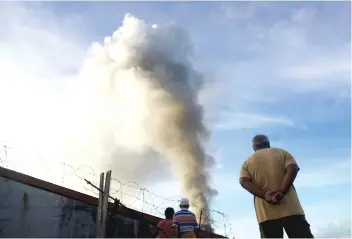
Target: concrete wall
26,211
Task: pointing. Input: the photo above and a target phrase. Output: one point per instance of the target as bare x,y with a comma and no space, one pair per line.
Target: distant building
30,207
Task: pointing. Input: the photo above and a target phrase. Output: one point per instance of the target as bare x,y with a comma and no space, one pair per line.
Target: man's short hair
169,213
260,139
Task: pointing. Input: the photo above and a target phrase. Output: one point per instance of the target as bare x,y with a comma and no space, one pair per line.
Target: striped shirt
185,220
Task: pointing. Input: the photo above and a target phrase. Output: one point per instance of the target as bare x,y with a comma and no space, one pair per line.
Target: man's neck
262,148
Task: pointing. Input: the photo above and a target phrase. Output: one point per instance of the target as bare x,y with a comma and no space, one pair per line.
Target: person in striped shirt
185,221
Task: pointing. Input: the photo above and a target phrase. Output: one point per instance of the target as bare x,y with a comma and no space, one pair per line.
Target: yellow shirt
266,168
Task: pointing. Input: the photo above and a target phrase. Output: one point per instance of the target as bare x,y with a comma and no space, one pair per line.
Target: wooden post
200,221
100,204
105,204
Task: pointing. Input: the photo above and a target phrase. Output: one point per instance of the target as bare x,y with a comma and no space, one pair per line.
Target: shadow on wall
77,220
27,211
125,227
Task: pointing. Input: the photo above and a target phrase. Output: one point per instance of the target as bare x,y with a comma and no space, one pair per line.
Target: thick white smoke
143,91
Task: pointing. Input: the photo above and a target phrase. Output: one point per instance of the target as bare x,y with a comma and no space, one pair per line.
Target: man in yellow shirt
269,174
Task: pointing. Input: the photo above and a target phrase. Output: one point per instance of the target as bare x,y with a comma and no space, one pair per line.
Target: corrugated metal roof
53,188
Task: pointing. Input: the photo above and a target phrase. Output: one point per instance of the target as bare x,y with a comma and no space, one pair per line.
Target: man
165,227
269,174
185,221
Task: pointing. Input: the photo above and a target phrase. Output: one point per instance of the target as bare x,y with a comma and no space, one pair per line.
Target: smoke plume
145,94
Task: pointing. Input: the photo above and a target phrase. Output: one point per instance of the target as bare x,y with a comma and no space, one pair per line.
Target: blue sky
282,69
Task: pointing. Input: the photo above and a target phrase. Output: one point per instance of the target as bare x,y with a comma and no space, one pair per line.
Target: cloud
53,46
334,229
40,54
330,65
302,15
231,120
32,79
275,57
240,12
334,222
332,173
292,66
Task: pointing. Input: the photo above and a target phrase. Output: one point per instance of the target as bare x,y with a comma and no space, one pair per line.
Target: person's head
184,203
169,213
260,141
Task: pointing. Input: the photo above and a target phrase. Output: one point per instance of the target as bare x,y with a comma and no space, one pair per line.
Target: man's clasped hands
273,197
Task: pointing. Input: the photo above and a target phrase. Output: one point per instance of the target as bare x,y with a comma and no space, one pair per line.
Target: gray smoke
146,92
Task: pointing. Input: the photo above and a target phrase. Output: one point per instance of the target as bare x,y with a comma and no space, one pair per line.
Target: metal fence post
105,205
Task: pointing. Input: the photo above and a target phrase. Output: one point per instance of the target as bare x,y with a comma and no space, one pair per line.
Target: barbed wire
130,193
